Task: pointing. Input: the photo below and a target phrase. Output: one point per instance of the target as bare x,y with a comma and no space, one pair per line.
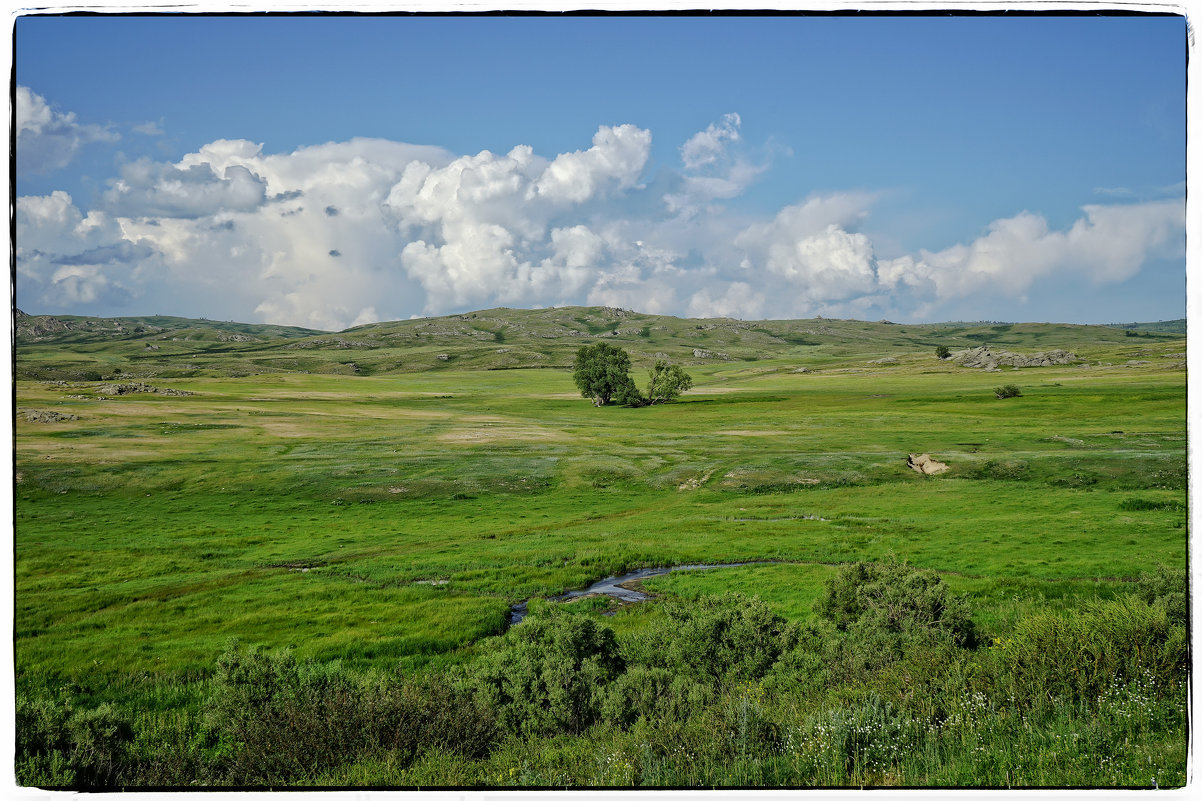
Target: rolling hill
88,348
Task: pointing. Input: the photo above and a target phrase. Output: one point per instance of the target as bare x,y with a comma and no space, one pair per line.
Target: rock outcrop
983,357
925,464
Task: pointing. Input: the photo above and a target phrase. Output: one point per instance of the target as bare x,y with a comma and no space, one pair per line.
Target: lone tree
602,372
667,382
942,352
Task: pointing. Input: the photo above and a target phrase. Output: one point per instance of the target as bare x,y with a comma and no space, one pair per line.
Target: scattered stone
38,416
925,464
443,357
1136,363
701,353
152,347
695,483
138,386
886,360
803,370
333,342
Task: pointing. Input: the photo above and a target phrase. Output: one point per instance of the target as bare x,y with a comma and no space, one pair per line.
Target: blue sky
327,171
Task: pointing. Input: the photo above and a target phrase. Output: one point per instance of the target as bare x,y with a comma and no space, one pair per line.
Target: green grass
388,519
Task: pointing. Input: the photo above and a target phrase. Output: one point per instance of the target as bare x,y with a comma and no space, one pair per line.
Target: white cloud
1109,244
809,247
705,147
480,223
617,157
345,233
738,299
65,258
147,189
711,173
47,139
148,129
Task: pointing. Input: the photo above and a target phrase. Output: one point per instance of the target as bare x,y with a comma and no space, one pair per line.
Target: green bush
896,600
721,639
58,745
278,719
1076,657
549,675
1169,587
290,719
646,693
1000,470
1007,391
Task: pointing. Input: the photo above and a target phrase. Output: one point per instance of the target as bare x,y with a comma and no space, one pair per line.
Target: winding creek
612,586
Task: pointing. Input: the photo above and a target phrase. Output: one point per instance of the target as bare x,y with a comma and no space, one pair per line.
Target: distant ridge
65,347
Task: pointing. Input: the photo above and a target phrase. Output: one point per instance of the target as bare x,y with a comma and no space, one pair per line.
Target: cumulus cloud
147,189
617,157
47,139
482,225
808,245
1108,244
710,171
737,299
64,257
705,147
346,233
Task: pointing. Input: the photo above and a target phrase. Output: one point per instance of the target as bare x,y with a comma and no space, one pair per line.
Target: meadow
299,570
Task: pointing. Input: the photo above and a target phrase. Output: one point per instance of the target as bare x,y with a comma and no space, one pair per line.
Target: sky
327,172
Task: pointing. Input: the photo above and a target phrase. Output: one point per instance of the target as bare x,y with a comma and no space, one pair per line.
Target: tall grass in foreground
889,686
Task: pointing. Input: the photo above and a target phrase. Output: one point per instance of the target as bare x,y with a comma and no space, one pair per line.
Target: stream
612,586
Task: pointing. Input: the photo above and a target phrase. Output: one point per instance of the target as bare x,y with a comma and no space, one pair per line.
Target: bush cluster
891,683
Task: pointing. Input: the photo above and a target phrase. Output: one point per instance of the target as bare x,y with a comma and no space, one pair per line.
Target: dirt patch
695,483
502,434
741,432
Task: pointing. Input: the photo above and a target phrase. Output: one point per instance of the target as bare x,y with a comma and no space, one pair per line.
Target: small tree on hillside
602,372
667,382
942,352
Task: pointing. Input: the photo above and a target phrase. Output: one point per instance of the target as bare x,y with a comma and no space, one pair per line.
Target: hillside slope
82,348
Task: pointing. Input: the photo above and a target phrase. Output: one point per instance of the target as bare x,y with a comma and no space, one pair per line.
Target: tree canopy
667,382
602,372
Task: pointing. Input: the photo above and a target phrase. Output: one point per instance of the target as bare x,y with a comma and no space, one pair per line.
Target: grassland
381,496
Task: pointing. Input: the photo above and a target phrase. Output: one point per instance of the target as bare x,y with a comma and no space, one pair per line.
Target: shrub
1007,391
1075,657
999,470
1169,587
887,609
550,675
290,719
58,745
723,639
650,694
277,719
942,352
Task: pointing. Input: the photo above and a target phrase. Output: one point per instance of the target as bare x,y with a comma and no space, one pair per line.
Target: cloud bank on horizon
345,233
